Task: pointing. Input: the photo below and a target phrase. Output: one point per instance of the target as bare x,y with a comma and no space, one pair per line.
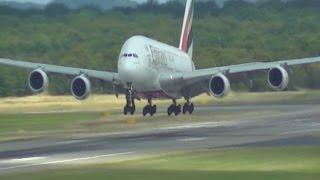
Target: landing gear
188,107
130,106
149,109
174,108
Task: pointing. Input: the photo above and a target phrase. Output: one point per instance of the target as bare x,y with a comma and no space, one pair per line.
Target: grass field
290,163
42,122
45,103
42,115
37,116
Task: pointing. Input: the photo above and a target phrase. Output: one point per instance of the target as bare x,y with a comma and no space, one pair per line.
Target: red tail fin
186,39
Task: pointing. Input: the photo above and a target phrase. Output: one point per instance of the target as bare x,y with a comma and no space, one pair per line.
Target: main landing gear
174,108
149,109
130,107
188,107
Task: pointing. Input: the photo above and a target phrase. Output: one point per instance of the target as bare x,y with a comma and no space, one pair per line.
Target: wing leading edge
205,74
102,75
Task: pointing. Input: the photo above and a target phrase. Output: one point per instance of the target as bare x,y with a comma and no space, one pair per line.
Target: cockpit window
130,55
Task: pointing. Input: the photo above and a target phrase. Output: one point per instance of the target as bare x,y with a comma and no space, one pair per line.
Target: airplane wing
202,74
193,77
102,75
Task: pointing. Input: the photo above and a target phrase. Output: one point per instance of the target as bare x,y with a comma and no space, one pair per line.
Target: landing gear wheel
125,110
177,110
170,110
174,108
191,108
185,108
132,110
149,109
188,107
153,110
128,109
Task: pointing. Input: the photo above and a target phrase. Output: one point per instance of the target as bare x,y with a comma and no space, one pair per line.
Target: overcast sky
46,1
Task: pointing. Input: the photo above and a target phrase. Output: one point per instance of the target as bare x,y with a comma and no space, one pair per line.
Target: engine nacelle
38,81
278,78
81,87
219,85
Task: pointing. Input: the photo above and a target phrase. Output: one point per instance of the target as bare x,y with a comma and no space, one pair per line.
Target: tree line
88,37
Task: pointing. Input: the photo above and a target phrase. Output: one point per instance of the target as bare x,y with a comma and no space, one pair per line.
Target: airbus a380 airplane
149,69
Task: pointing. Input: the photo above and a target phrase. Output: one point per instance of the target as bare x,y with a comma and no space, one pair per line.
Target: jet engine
219,85
38,81
278,78
81,87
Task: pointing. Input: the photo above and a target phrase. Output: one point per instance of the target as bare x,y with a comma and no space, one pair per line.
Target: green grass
166,175
41,122
304,159
292,163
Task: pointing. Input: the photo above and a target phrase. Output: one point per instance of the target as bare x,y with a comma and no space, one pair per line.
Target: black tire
170,110
145,111
132,110
177,110
153,110
125,110
191,108
185,108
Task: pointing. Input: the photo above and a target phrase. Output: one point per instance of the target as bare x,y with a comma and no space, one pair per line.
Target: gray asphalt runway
291,125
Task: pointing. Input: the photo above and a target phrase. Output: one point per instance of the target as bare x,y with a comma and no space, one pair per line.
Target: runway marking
299,131
197,125
66,161
191,139
301,120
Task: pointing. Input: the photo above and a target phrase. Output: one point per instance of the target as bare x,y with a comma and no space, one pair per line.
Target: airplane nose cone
127,72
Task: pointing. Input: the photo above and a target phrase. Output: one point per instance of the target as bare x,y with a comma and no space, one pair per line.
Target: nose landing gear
130,106
149,109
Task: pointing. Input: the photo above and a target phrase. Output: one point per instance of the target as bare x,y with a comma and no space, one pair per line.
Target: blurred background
90,33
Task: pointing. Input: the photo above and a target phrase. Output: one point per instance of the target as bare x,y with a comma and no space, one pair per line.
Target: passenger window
135,55
125,55
129,55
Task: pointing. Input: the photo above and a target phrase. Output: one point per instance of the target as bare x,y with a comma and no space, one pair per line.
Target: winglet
186,39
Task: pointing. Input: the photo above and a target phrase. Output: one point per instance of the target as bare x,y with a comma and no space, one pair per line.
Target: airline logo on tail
186,40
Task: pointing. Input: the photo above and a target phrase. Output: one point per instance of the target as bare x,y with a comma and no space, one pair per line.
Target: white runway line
197,125
299,131
21,160
65,161
27,159
301,120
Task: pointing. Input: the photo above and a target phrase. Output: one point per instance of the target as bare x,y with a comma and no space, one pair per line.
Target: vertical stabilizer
186,39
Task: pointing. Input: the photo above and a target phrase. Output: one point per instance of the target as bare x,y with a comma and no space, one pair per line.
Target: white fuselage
141,62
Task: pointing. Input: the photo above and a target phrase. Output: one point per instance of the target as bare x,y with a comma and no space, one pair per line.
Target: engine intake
38,81
219,85
278,78
81,87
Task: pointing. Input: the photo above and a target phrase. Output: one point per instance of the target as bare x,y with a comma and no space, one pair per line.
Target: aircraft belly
151,89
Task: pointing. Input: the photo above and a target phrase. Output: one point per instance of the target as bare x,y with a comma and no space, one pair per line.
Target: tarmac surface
290,125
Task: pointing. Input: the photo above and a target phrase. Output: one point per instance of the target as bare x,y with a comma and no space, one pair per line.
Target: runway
289,125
